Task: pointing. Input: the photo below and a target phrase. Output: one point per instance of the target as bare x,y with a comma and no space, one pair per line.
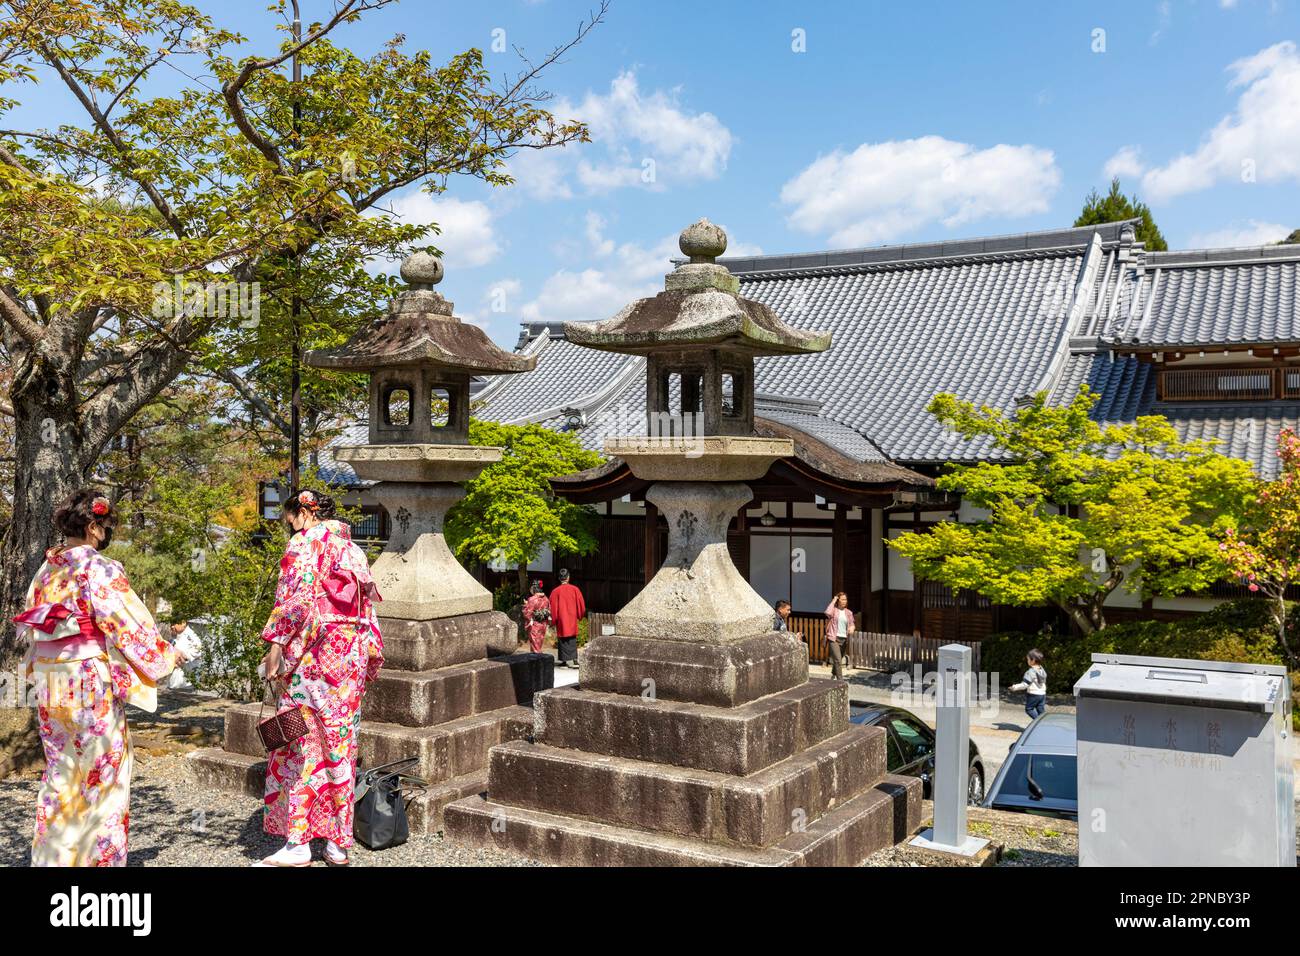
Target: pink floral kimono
324,617
93,648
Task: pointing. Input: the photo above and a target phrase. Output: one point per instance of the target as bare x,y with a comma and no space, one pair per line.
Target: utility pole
295,305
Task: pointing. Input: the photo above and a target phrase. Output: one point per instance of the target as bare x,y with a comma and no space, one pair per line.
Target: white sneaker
291,854
334,854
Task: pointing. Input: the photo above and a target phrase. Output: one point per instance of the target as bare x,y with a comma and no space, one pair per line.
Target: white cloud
467,237
881,191
1252,232
627,271
1126,163
1259,139
639,139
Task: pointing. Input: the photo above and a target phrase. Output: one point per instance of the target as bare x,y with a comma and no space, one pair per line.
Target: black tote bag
381,795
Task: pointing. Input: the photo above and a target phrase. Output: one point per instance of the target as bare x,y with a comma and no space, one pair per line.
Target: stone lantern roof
420,330
699,307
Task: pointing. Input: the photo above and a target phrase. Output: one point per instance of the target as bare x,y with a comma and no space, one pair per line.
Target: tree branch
247,393
111,134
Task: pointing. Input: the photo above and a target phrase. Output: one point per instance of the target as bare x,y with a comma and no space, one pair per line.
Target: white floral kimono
93,649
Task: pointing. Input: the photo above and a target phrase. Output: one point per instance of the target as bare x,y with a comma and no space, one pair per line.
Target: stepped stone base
734,740
876,818
756,766
757,810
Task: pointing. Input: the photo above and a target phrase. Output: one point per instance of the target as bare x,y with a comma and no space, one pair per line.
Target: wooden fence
867,650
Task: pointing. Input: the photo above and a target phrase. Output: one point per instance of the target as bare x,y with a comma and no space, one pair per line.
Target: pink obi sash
58,631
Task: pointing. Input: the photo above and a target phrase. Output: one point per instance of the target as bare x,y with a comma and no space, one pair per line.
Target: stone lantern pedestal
452,685
696,736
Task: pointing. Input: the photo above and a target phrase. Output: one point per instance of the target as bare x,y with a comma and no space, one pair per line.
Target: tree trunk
51,460
1079,617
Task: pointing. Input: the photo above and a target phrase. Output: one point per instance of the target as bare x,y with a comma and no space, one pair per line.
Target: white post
952,756
951,760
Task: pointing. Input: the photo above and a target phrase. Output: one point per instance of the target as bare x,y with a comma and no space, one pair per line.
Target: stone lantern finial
702,241
422,270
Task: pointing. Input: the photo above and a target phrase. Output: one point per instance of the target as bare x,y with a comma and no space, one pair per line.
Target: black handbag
381,795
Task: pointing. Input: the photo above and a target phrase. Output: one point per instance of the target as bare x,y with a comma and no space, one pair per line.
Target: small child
1034,684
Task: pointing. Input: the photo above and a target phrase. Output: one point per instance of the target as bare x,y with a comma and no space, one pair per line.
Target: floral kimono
93,649
324,617
536,629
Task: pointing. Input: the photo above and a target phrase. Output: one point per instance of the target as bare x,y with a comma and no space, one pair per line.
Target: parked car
910,746
1040,774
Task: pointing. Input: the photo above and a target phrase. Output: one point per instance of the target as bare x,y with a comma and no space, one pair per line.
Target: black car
910,746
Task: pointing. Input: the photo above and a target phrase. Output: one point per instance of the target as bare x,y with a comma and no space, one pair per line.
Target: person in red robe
567,609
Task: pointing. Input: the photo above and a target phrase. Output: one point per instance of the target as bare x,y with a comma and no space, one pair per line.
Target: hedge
1238,631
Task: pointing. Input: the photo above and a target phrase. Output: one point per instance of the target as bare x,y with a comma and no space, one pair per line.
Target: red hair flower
308,501
99,506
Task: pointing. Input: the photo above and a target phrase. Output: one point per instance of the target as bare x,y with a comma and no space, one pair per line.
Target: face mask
107,539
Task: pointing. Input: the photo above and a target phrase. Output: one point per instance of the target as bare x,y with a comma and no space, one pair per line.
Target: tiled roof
1215,297
991,320
1127,389
335,472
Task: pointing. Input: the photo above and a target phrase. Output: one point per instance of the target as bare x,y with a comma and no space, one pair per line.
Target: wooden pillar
884,570
867,622
839,548
651,541
916,582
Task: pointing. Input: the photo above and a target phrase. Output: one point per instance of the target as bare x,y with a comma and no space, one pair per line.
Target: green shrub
1238,631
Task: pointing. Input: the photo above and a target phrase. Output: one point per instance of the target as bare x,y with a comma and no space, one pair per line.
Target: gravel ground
1027,841
176,823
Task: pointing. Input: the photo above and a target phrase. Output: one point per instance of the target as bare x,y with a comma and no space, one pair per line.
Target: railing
866,650
892,652
596,621
1228,384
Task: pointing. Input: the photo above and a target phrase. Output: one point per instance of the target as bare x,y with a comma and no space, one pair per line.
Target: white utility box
1184,763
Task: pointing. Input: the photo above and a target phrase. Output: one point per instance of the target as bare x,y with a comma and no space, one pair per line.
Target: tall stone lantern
449,690
696,735
420,359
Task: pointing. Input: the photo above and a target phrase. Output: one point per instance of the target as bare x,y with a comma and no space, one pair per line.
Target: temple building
1208,338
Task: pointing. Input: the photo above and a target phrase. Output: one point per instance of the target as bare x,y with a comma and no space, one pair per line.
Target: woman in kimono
93,648
537,617
325,647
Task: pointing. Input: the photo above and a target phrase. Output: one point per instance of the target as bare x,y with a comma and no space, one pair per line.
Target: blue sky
897,122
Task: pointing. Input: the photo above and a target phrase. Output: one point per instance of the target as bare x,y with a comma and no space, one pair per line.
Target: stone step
425,813
757,810
723,675
444,641
219,769
880,816
426,698
448,750
737,740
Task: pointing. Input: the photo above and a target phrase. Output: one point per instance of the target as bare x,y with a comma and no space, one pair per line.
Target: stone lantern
700,338
695,736
420,359
452,686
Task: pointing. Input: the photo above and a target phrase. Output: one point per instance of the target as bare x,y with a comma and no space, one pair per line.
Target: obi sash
56,630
